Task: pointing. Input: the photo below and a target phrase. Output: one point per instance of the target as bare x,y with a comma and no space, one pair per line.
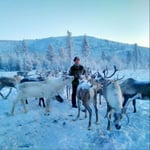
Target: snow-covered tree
62,53
85,47
103,55
24,47
50,56
27,63
63,59
70,46
128,59
135,56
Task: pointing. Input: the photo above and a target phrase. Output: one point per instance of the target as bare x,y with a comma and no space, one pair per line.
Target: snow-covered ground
59,131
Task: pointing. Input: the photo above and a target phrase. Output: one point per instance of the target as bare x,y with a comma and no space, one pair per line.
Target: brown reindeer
9,82
87,94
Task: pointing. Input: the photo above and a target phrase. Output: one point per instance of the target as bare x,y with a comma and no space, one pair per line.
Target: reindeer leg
108,125
96,113
23,104
13,106
108,116
26,101
79,104
43,102
41,99
8,93
2,95
85,112
100,98
47,108
90,115
134,105
108,110
5,97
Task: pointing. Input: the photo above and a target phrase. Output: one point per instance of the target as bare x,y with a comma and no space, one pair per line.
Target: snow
59,131
84,85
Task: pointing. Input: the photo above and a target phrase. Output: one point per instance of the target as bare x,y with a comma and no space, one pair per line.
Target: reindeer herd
118,93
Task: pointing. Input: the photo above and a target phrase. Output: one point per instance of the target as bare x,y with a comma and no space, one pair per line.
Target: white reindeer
113,95
48,89
114,99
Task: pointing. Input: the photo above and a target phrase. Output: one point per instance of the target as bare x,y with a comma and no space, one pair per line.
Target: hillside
100,50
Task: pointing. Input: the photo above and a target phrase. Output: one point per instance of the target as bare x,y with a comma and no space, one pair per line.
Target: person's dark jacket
76,71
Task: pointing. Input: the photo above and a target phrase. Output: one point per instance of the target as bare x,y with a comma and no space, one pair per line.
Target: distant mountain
58,42
97,48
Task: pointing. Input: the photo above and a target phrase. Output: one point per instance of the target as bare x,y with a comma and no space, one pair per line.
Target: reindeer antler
117,79
105,72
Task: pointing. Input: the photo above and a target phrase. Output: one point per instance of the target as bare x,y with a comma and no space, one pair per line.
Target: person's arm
83,70
71,72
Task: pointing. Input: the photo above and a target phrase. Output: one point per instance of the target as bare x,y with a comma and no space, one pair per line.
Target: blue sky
118,20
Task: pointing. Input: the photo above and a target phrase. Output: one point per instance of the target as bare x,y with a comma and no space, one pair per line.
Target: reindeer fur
87,94
113,96
7,82
130,87
47,89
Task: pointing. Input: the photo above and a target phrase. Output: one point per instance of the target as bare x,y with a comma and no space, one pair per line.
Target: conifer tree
70,46
85,47
50,55
85,50
136,57
27,61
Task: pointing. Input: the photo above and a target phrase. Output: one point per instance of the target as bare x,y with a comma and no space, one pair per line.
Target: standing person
76,70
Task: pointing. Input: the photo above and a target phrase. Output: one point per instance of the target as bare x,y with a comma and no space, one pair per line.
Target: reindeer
22,73
41,76
9,82
130,87
112,93
87,93
47,89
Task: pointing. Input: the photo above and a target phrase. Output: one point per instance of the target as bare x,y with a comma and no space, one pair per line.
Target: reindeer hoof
109,129
75,119
90,128
47,113
11,114
97,123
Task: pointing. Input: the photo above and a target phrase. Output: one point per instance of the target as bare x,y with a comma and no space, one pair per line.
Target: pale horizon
115,20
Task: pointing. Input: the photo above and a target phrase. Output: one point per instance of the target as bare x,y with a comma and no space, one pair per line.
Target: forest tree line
22,59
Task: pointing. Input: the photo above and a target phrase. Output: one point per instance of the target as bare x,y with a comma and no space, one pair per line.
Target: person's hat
76,58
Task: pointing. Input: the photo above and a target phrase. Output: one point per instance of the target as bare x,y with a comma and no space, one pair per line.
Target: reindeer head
117,119
112,92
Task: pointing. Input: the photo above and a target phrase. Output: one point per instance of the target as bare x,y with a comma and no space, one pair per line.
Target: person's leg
74,90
